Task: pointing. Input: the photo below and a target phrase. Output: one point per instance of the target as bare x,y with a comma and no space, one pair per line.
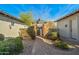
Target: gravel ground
28,45
39,47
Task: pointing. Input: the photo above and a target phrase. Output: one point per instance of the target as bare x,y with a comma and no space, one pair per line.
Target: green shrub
61,44
31,32
38,31
1,37
11,46
52,35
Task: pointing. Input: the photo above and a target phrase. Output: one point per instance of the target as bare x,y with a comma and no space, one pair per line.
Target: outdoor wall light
10,27
66,25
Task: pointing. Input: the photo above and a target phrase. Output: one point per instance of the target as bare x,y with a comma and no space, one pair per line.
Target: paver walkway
39,47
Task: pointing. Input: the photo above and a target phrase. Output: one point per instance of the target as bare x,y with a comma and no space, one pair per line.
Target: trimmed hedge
31,32
1,37
11,46
52,35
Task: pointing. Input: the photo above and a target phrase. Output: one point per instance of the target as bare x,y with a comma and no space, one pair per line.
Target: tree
27,18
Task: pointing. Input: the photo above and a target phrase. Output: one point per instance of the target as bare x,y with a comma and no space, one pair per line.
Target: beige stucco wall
65,31
5,24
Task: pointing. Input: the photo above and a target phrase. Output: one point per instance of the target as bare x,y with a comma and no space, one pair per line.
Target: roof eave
68,16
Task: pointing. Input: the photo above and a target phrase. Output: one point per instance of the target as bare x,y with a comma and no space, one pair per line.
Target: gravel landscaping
39,47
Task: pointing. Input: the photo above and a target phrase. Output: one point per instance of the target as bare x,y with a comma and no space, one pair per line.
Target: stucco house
9,25
68,26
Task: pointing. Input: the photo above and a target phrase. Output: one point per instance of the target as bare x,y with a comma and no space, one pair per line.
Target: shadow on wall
2,37
6,38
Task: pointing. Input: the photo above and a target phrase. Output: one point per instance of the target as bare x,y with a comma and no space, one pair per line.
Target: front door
73,29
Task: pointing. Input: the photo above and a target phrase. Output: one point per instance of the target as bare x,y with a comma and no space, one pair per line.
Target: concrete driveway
41,47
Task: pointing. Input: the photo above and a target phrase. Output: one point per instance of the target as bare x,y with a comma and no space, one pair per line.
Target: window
12,23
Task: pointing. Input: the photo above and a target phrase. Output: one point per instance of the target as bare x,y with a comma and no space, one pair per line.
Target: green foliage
11,46
31,32
52,35
27,18
61,44
1,37
38,31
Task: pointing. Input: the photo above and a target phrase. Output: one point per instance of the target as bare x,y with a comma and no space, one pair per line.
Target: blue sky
43,11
